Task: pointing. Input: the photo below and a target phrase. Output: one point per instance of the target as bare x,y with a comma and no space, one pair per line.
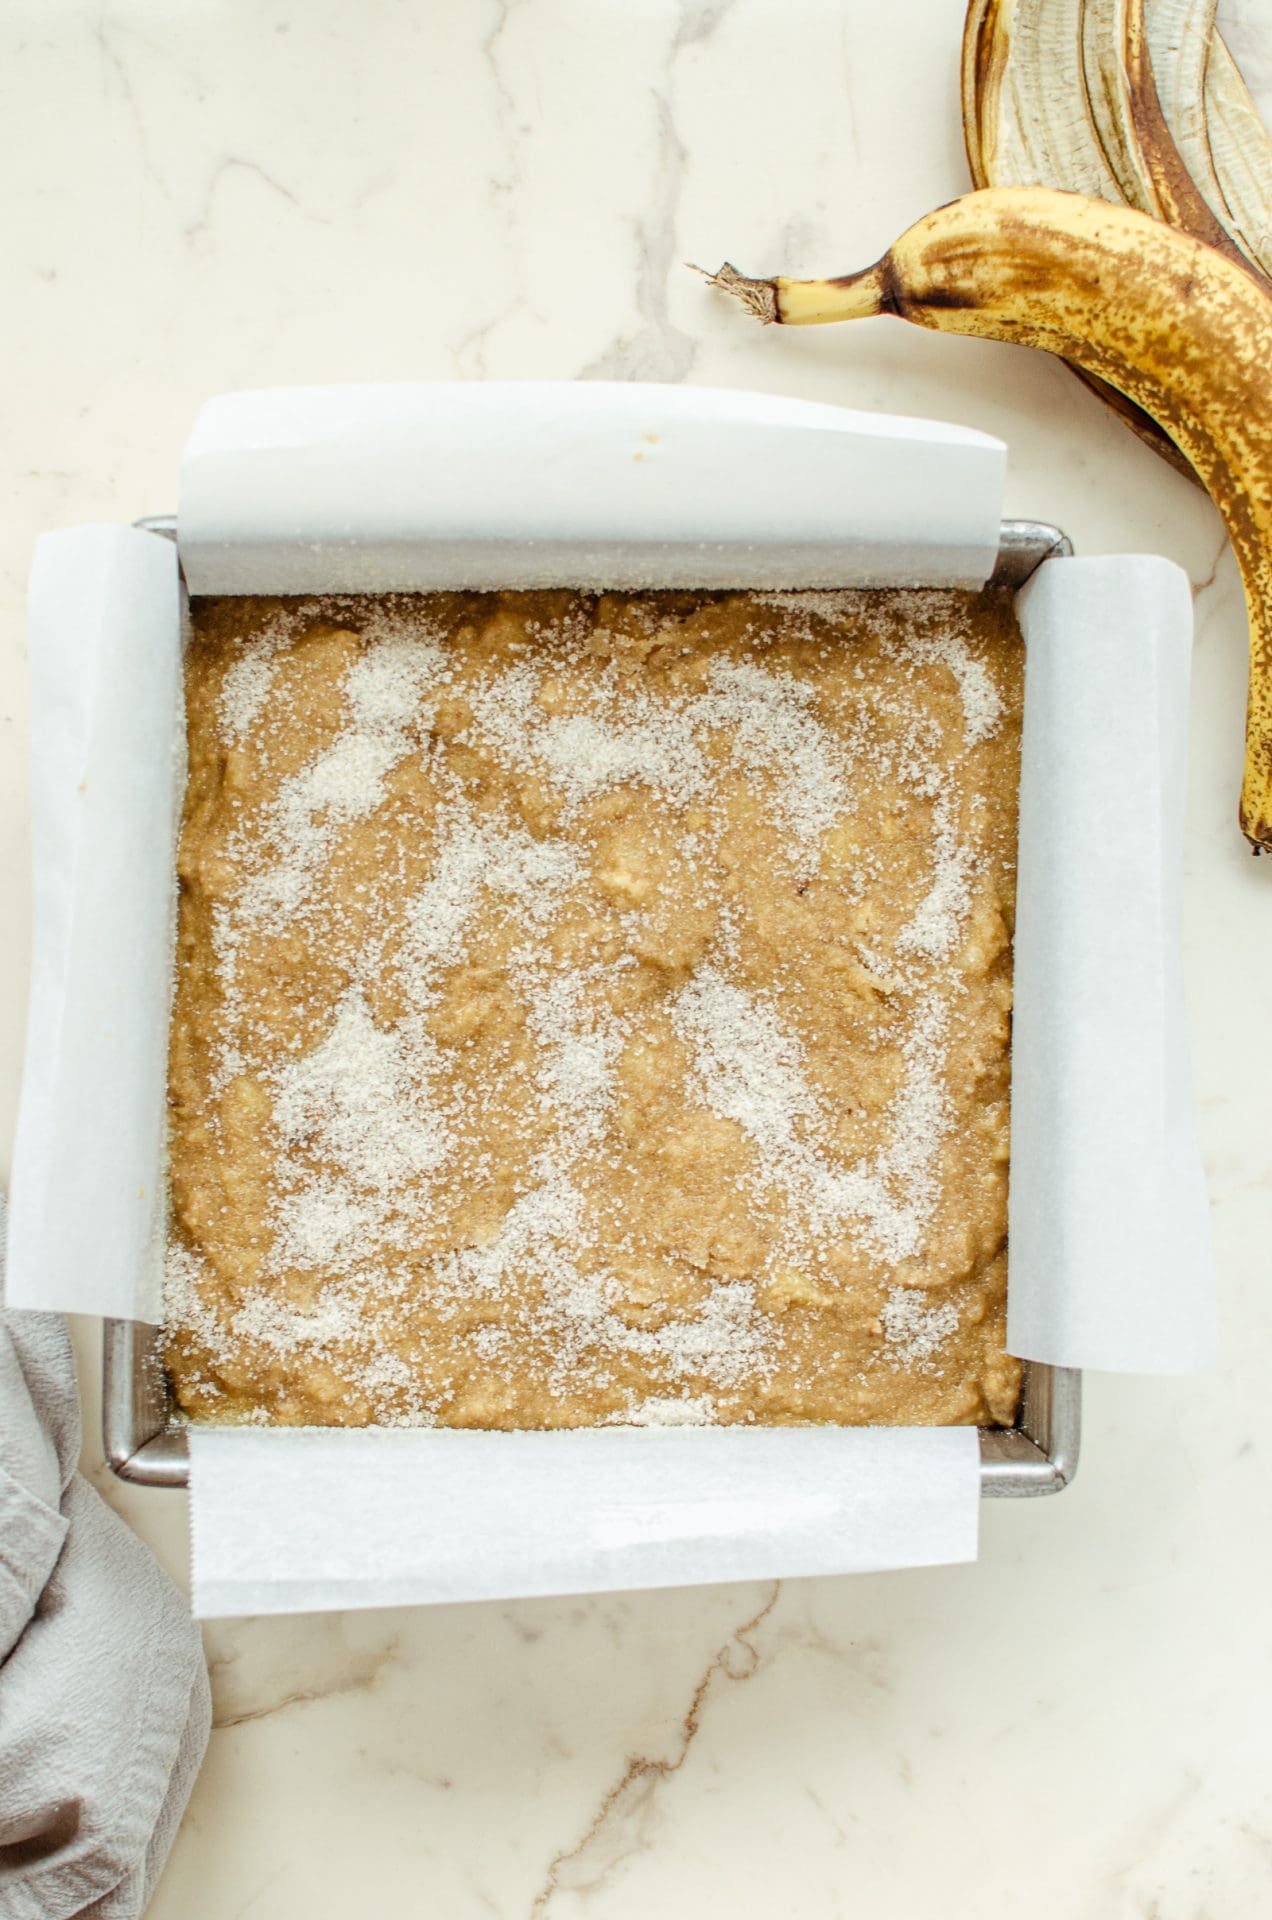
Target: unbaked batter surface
595,1008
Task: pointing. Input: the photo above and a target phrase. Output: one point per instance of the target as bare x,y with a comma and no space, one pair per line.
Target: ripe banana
1171,323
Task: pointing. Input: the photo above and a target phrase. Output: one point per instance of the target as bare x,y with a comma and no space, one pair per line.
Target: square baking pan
145,1439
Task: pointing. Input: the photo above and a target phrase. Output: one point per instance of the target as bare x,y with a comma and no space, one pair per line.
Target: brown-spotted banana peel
1170,322
1133,101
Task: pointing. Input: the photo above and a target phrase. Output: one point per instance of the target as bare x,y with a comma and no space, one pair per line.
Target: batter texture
595,1008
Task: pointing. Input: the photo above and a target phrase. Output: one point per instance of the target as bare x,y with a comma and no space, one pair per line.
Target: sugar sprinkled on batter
593,1010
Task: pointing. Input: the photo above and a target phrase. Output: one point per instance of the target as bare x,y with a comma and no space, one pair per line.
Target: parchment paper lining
370,489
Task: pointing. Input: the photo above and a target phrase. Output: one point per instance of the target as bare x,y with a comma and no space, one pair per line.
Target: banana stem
806,303
759,297
853,296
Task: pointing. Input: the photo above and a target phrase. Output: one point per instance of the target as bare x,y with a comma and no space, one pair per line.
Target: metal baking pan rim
145,1444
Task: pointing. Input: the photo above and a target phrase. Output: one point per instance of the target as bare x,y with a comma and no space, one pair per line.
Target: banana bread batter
594,1008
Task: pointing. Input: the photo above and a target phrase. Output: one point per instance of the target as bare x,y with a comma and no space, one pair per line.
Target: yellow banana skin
1167,320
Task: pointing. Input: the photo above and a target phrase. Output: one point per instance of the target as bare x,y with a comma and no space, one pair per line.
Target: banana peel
1027,122
1066,93
1241,153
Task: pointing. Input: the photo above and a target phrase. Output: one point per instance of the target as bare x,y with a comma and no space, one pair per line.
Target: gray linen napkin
104,1701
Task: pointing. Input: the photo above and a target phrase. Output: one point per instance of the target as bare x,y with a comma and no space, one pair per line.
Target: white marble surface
234,192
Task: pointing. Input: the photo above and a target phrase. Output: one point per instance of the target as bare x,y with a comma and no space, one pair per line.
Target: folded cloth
104,1700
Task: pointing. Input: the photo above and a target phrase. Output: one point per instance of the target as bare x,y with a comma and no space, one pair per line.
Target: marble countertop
228,194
